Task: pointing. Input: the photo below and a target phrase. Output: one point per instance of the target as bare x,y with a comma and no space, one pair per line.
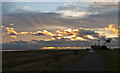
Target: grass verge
111,58
41,60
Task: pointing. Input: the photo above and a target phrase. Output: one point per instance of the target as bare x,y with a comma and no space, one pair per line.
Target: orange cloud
11,32
68,34
24,33
77,34
113,28
11,24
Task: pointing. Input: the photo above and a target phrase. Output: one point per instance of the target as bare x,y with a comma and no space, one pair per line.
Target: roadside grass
53,60
111,58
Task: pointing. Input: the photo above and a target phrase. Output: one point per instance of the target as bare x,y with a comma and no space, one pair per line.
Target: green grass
111,58
40,60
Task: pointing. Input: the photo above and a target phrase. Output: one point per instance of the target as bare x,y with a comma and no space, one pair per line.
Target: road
91,62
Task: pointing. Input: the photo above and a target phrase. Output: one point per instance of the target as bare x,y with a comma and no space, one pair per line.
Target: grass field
111,58
40,60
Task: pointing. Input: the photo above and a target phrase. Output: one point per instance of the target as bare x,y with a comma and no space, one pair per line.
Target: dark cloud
83,33
12,33
38,44
17,42
19,45
20,42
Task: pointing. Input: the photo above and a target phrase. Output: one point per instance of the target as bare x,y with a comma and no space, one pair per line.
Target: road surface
91,62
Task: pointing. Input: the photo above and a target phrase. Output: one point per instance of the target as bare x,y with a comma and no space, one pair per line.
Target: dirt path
91,62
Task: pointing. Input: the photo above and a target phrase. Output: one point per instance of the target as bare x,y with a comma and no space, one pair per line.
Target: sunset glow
58,24
113,28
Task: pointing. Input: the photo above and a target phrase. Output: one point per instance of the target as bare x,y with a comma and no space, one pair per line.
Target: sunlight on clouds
105,32
11,32
72,13
93,8
69,34
62,48
49,48
70,10
90,37
48,33
13,36
45,32
80,38
24,32
113,28
74,34
11,24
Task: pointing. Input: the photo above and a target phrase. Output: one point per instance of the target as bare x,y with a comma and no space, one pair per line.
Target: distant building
104,46
98,47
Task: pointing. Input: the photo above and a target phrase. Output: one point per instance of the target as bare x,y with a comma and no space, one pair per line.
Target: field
111,58
40,60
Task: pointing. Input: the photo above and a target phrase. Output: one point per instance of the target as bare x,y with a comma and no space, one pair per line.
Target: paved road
91,62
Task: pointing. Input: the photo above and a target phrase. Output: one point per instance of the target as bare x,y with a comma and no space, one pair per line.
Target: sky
37,25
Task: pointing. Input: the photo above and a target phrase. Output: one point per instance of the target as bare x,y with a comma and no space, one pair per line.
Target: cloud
38,33
40,44
51,44
93,8
113,28
14,34
51,21
69,7
27,8
101,7
71,34
24,32
71,10
11,24
44,32
21,45
11,32
77,34
87,32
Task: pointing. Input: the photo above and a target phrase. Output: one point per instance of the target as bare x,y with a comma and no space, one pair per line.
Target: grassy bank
40,60
111,58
